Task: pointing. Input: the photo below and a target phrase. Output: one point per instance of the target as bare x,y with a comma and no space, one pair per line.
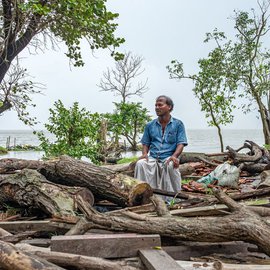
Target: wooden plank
185,251
158,260
38,242
188,265
45,226
105,245
217,209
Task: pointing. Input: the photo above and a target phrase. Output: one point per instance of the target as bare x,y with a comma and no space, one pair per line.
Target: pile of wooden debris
70,214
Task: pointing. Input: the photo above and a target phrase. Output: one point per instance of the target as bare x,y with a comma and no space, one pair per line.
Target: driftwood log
256,160
103,182
29,188
242,225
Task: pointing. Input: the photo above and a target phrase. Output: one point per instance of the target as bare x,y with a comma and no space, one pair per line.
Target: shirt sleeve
181,134
146,140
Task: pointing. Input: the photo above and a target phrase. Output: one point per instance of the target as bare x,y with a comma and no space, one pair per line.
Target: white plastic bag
227,175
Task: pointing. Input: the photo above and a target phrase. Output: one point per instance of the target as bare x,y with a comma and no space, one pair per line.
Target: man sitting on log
164,139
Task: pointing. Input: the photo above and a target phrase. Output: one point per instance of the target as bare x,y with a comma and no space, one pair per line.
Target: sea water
199,140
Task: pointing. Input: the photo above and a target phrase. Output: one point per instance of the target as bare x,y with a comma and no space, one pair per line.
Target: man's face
161,107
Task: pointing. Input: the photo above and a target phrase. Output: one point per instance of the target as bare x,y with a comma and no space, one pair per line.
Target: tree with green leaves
25,23
214,91
76,131
250,59
246,64
120,79
128,120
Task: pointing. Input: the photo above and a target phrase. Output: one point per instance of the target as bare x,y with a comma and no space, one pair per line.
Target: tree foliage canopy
40,23
129,120
238,68
76,132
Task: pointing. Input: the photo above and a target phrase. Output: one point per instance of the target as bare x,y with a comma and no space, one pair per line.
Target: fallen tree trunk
104,183
241,225
30,189
13,259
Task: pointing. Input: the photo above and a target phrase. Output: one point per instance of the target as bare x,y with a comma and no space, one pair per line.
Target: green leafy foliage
3,150
37,24
248,62
213,89
76,131
127,160
128,120
61,20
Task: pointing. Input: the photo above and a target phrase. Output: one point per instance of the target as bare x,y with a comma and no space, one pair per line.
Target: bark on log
29,188
187,157
73,260
13,259
103,182
241,225
254,155
128,169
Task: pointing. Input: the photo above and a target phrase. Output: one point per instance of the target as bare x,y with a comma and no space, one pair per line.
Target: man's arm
175,155
145,151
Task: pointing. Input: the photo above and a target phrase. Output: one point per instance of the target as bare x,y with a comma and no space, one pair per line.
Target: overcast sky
157,30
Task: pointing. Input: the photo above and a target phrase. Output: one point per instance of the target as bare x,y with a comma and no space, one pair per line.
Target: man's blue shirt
162,147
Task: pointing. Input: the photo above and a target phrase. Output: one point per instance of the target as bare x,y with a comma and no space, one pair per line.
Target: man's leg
147,171
171,178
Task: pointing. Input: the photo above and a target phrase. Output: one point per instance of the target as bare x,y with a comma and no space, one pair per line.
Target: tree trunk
220,139
30,189
241,225
104,183
262,111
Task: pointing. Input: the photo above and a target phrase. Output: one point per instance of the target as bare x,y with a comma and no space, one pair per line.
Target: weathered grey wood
105,245
158,260
73,260
38,242
188,265
4,233
40,226
217,209
196,249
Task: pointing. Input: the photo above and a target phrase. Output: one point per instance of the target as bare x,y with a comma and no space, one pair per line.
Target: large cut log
103,182
241,225
128,168
29,188
13,259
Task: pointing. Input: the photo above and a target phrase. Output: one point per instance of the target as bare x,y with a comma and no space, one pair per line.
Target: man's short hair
168,101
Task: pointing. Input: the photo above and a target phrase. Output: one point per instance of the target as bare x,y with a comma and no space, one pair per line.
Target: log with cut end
29,188
103,182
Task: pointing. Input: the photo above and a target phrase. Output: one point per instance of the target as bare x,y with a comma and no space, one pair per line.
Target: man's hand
144,156
175,161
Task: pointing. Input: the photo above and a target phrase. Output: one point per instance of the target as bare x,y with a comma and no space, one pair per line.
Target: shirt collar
171,120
